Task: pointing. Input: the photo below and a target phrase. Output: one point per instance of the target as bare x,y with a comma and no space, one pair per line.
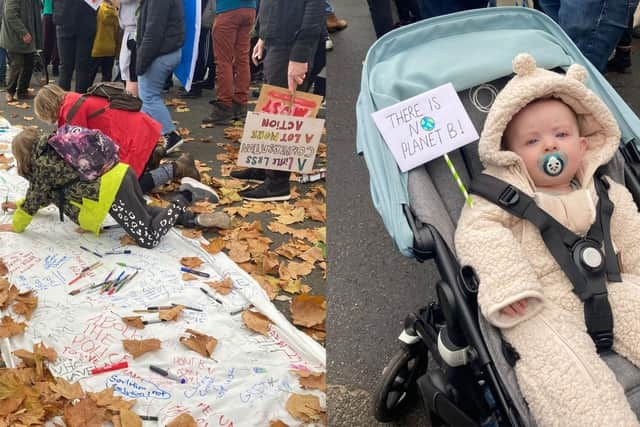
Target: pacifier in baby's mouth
553,163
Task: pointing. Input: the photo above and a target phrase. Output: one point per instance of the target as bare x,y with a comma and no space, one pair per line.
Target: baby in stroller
555,245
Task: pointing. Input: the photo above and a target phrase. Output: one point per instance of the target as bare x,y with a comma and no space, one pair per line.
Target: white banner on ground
426,126
278,142
247,380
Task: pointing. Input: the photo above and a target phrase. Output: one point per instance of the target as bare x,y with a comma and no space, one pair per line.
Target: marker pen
91,252
148,418
108,368
152,321
125,252
167,374
196,272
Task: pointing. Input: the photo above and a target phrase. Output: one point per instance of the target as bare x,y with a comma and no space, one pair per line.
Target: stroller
450,356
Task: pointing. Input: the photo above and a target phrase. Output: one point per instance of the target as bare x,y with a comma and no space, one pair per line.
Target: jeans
150,86
75,55
232,42
328,9
3,65
595,26
381,16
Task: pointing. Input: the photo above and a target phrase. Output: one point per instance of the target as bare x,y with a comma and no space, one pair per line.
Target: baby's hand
518,308
5,206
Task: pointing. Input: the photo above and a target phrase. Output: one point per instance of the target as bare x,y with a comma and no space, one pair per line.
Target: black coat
161,30
294,23
75,17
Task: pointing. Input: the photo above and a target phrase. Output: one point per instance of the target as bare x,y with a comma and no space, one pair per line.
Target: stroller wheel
397,387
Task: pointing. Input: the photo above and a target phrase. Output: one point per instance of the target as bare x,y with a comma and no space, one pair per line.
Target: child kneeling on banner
54,181
546,138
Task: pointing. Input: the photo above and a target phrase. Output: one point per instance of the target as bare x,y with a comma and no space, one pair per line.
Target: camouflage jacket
53,181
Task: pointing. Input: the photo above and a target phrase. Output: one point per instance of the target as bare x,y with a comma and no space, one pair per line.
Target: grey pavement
371,286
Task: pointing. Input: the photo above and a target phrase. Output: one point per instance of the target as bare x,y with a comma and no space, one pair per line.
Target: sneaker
250,174
185,166
214,219
25,95
328,44
172,140
221,114
335,24
268,191
198,190
239,111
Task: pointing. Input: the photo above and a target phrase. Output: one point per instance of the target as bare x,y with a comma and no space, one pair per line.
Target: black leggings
146,225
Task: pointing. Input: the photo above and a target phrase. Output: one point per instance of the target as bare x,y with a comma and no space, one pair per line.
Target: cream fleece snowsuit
559,371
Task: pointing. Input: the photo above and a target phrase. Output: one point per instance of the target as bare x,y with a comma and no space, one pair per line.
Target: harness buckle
599,320
509,196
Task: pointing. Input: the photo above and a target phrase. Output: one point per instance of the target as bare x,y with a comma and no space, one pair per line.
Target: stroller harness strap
588,262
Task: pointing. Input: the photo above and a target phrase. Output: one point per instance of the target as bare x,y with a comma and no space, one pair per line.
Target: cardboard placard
426,126
277,142
277,100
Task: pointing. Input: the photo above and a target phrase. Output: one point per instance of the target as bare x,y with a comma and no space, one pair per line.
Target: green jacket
53,181
21,17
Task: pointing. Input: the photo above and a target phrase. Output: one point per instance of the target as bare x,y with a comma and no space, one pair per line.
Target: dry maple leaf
139,347
315,334
277,423
312,255
239,251
191,261
187,277
9,327
129,418
25,303
183,420
3,268
223,287
268,283
203,206
308,310
8,406
270,262
214,246
134,321
172,313
292,286
127,240
257,322
291,217
191,233
36,358
84,414
8,293
199,342
311,380
106,399
66,389
304,407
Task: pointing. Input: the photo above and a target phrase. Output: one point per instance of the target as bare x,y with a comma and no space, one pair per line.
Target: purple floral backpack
88,151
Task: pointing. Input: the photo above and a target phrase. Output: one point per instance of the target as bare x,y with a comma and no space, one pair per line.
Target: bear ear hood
595,121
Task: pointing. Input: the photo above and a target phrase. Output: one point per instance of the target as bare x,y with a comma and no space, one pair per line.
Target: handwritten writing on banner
426,126
275,142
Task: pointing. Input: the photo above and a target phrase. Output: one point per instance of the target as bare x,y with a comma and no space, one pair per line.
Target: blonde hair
22,149
47,103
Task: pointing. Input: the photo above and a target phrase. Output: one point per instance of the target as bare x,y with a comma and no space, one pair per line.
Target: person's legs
146,226
49,33
67,53
3,67
381,16
621,61
225,28
16,63
106,65
595,26
84,62
242,45
24,80
150,86
561,375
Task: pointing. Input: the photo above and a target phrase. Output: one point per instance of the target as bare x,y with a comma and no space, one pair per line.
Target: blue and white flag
184,70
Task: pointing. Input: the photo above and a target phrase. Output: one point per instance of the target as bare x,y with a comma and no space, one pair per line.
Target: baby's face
546,136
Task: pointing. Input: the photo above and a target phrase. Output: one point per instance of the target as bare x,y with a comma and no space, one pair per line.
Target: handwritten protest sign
278,100
279,142
94,3
426,126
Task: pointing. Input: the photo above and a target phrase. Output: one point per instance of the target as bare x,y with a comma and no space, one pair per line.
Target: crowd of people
145,40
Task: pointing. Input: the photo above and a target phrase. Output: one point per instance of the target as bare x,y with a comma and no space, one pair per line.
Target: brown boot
186,167
156,155
334,24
